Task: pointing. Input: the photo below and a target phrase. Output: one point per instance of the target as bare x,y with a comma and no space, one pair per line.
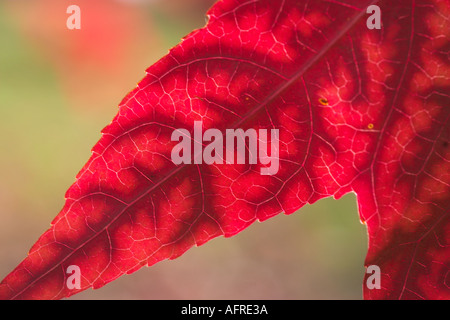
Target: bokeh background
60,87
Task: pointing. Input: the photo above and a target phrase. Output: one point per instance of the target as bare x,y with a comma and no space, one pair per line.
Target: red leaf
357,110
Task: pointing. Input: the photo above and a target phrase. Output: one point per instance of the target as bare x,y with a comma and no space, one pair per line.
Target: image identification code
231,309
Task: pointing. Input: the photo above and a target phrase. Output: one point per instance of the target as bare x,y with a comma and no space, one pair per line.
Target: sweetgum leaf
358,109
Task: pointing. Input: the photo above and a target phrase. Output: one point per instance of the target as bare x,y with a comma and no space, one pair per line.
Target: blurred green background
60,87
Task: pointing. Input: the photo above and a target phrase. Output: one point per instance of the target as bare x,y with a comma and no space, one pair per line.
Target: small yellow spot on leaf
370,126
323,101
